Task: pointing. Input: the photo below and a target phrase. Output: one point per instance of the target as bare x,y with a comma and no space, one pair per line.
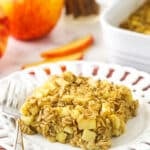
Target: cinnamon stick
81,7
76,9
69,6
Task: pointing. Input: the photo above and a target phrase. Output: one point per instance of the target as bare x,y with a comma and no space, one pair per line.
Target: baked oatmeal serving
78,110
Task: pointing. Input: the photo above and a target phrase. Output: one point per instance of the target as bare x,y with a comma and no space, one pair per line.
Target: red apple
4,32
32,19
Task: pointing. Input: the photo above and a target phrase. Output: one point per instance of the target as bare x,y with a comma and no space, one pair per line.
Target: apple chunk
61,137
88,135
86,124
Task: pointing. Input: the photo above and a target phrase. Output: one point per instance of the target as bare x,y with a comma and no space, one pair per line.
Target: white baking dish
121,42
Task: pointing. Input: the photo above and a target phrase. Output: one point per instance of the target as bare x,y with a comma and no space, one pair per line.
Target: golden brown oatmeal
139,21
78,110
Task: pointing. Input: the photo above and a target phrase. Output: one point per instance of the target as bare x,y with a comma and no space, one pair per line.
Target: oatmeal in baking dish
139,21
78,110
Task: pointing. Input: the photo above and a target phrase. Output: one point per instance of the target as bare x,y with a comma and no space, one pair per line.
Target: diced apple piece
34,110
93,82
68,76
39,92
27,119
86,123
24,109
61,82
88,135
70,48
61,137
52,86
106,109
115,121
65,111
68,130
118,125
75,114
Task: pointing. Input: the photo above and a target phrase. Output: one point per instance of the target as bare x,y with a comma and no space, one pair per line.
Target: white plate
22,83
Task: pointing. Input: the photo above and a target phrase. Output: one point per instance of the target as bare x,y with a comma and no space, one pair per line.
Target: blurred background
34,32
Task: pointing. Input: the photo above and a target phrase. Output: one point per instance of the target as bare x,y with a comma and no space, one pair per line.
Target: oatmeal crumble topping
78,110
